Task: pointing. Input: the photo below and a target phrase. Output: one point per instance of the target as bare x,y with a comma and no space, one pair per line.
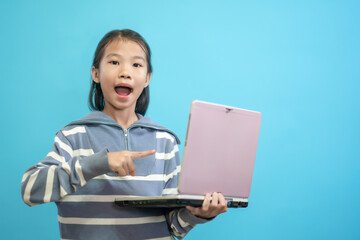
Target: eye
137,65
113,62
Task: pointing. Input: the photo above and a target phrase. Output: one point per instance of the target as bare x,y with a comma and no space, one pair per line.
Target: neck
125,118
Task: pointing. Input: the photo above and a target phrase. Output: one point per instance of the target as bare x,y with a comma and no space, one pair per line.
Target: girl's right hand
122,162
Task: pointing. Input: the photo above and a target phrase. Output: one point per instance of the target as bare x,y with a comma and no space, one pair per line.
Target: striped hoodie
76,176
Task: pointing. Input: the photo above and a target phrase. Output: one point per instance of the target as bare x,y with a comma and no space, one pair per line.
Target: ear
147,80
95,74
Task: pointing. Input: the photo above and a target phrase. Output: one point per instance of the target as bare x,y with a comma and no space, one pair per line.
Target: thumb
135,155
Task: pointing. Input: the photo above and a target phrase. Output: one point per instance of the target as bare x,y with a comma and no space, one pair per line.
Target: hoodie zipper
126,139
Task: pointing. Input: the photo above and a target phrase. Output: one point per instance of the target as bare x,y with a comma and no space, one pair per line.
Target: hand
210,208
122,162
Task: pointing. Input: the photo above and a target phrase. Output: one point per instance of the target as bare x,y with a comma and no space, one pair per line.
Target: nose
125,75
125,72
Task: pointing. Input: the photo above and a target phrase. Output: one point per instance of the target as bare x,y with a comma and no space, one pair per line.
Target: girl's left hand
210,208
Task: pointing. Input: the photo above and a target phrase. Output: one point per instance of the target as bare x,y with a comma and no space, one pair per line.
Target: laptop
218,156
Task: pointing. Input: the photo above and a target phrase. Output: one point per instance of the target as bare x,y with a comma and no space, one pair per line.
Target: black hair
96,96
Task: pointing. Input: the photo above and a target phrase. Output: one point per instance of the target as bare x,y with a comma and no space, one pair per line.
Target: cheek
105,77
141,78
105,84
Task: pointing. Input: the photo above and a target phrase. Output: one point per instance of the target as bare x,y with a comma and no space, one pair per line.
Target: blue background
297,62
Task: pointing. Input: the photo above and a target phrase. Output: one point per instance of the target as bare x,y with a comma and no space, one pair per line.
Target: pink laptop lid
220,149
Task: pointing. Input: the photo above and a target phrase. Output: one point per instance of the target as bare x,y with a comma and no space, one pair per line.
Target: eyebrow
119,56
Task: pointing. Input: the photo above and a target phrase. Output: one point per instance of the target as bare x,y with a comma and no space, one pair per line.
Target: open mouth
123,90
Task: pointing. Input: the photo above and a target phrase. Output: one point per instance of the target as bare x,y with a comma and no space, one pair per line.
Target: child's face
122,75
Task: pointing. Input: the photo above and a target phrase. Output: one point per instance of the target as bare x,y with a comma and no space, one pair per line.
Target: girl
115,151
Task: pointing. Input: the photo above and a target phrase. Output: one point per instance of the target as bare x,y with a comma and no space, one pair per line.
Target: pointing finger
135,155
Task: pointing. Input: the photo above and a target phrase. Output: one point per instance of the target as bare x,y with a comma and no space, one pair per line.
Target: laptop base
174,201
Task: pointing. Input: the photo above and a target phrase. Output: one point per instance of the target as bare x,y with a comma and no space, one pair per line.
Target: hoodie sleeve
180,220
62,171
